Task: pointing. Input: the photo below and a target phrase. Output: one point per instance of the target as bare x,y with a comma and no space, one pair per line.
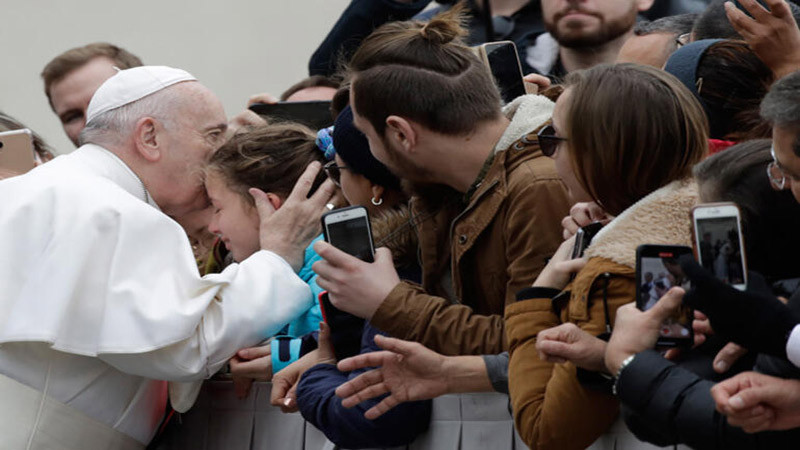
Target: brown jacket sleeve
409,313
531,235
534,231
552,410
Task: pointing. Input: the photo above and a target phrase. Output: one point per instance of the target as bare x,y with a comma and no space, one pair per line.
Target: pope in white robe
101,300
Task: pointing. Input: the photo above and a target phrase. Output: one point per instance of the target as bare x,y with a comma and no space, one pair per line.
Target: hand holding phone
657,271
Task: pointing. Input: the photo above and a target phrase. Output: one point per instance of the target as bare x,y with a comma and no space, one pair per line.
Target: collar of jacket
663,218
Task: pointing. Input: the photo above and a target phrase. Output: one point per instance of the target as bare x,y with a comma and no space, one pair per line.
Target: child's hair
270,157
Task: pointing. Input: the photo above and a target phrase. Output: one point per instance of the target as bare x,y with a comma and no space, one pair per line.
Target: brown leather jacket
552,409
475,258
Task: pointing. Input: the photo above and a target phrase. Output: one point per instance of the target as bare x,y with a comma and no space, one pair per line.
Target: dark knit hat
352,146
683,64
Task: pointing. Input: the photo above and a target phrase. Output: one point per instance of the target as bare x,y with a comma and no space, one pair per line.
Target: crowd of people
176,244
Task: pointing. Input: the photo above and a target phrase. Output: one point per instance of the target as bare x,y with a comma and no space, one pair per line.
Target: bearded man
582,33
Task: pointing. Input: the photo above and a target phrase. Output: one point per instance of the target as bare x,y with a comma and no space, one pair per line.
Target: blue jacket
347,427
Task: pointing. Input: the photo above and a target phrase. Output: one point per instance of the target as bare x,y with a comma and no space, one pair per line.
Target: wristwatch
625,363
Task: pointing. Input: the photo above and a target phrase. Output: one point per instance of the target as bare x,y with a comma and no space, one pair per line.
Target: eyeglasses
775,173
548,141
682,40
334,172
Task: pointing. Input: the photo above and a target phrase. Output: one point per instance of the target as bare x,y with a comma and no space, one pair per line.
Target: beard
576,37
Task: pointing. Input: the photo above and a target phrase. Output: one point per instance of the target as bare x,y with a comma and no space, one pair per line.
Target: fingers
541,81
363,387
667,305
325,194
555,351
728,356
571,266
263,205
334,258
382,407
570,227
325,345
755,9
399,346
261,98
254,352
260,368
372,359
303,186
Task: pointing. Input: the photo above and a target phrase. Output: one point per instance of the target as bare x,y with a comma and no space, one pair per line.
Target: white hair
115,126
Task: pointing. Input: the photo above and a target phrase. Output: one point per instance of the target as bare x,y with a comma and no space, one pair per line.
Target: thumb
263,205
324,343
383,254
667,305
398,346
750,397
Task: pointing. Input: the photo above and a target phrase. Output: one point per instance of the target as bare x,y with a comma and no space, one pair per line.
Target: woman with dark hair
729,81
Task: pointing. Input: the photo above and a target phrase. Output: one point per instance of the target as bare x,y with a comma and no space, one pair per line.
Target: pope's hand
289,230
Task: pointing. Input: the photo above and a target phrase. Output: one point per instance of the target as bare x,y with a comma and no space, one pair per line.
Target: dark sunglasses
548,141
334,172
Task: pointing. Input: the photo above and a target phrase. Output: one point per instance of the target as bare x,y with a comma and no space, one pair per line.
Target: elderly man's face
70,96
195,130
590,23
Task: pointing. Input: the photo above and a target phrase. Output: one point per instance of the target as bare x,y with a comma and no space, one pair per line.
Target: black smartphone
348,229
584,237
346,329
314,114
658,270
503,62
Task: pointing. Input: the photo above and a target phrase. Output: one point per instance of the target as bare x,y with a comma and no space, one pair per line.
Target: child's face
235,221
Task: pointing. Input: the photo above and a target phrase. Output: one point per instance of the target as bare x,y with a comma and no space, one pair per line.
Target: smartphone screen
314,114
348,230
504,65
719,248
657,271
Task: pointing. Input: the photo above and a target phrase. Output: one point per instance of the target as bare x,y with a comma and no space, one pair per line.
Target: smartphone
658,270
346,329
502,60
718,242
584,237
348,229
17,155
314,114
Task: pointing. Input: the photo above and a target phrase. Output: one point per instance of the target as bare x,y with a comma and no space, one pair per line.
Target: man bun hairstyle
423,72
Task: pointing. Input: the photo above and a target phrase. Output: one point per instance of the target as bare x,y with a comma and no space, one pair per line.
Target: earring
377,202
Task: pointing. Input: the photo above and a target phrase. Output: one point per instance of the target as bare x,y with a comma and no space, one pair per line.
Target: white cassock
100,297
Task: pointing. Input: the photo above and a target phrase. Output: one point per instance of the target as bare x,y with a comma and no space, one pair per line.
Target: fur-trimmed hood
526,113
663,218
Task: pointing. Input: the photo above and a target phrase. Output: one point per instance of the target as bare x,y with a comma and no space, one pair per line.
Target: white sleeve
793,346
115,278
260,296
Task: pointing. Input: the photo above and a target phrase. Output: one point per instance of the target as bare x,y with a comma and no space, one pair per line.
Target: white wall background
236,48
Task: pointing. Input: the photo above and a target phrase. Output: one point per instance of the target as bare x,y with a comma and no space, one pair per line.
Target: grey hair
781,105
115,126
677,25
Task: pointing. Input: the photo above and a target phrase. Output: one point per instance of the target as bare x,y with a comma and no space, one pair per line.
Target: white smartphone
719,243
17,155
348,229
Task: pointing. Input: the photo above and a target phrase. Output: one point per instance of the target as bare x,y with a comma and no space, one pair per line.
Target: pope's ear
147,136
